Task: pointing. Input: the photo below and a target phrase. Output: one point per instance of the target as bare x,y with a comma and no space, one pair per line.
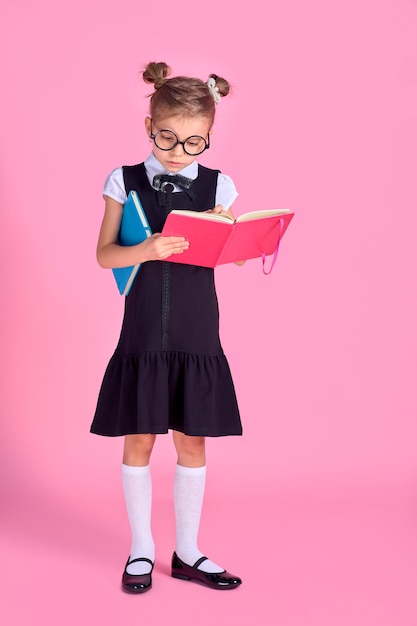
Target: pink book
216,239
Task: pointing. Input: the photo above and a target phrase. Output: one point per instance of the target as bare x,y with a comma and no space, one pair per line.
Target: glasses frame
182,143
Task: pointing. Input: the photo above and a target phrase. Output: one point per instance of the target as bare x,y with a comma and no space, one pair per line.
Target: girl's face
176,159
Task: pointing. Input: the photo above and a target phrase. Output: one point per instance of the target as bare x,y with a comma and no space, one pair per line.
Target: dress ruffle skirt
171,390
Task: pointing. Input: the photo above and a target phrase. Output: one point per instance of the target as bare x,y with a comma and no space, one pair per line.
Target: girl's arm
111,254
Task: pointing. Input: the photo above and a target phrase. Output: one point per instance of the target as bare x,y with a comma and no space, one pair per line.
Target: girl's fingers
163,247
167,248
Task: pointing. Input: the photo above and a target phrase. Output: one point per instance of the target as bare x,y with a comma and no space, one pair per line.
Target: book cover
217,239
134,228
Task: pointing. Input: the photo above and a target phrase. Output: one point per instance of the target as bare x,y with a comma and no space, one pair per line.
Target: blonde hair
181,95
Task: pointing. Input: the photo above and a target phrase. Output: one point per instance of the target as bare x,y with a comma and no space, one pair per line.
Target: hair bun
222,85
156,73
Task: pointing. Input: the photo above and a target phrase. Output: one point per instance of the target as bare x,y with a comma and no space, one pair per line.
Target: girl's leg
190,477
137,487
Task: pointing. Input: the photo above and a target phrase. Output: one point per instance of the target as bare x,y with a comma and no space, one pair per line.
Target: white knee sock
137,488
188,501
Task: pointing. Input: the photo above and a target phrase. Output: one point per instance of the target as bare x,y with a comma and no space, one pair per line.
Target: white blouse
114,186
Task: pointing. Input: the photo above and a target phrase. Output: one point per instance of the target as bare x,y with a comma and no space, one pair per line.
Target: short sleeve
114,187
226,192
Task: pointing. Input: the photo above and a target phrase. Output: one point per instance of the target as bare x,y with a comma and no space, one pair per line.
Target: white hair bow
211,84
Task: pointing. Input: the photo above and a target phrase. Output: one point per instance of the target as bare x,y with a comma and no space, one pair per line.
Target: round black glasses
167,140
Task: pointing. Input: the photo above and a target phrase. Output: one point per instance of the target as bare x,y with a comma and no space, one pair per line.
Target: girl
169,371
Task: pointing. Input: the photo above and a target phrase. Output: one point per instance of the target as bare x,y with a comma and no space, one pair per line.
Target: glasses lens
165,139
195,145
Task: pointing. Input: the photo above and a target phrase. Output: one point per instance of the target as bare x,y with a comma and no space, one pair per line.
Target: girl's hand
157,247
220,211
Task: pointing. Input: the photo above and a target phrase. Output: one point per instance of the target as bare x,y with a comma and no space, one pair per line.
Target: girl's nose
178,149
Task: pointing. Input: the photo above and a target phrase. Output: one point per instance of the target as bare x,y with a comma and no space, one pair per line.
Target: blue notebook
134,228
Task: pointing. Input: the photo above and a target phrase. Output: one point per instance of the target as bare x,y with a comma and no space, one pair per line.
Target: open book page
245,217
204,216
257,215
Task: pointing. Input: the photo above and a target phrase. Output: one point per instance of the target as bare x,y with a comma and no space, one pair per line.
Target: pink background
315,506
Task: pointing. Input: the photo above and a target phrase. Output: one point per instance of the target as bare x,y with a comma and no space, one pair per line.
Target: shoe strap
200,561
141,558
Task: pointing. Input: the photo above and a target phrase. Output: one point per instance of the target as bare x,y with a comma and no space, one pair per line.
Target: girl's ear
148,126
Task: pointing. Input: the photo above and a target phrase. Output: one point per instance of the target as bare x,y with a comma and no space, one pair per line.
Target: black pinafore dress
169,370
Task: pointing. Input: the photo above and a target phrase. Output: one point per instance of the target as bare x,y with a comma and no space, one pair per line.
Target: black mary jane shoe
137,583
221,580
